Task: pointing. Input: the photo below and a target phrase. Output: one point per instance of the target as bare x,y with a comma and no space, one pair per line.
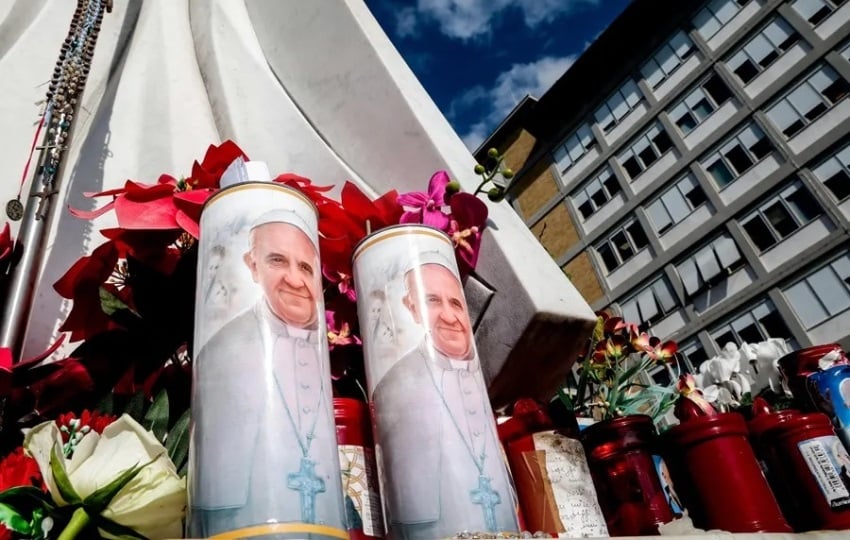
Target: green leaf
565,399
177,442
156,419
136,407
107,404
116,529
13,520
110,304
100,499
30,493
66,489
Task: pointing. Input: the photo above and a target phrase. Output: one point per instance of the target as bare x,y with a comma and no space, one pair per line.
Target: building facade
691,171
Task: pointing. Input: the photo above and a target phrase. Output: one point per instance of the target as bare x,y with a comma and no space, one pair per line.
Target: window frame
715,331
722,156
803,118
644,136
585,187
563,150
804,280
711,9
661,313
698,88
654,59
760,212
832,5
724,268
777,50
609,242
839,157
687,177
615,121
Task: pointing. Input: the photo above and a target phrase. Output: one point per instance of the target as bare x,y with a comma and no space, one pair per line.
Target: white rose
152,503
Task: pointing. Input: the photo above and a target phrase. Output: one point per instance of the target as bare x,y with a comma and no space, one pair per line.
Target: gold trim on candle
399,230
278,528
259,185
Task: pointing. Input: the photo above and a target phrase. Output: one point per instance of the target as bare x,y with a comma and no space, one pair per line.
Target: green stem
79,521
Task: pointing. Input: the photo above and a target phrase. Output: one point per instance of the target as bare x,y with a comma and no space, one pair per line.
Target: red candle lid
805,361
705,427
617,435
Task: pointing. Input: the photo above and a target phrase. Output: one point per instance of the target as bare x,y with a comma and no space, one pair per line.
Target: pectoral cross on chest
308,484
487,498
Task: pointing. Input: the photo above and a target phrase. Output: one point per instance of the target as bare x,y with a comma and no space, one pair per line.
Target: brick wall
556,231
581,273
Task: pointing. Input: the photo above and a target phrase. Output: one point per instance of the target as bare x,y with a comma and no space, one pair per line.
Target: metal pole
63,101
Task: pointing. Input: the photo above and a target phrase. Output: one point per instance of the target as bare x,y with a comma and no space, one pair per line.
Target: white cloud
466,19
510,87
406,22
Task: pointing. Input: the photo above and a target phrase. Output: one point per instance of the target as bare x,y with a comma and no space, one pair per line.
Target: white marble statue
309,87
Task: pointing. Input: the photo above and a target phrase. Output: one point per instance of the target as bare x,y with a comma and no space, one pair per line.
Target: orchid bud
493,153
508,173
479,169
496,194
452,188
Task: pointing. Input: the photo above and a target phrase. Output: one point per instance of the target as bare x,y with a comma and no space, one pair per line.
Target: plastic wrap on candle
263,451
441,466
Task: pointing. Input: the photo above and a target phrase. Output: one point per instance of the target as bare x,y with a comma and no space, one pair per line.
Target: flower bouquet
132,310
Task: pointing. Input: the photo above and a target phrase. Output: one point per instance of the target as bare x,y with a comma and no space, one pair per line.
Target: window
667,58
710,265
822,294
645,150
700,103
676,204
694,353
810,99
715,15
845,52
815,11
753,326
650,305
781,216
622,245
595,194
763,49
575,146
835,173
618,106
737,155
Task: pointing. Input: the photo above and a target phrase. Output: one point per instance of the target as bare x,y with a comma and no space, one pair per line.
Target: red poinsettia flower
426,207
6,243
166,204
207,173
305,185
81,283
469,217
342,225
46,390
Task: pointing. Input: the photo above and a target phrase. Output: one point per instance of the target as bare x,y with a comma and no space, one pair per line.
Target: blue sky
478,58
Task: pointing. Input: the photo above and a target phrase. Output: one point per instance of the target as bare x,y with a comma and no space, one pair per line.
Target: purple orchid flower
469,217
427,208
339,335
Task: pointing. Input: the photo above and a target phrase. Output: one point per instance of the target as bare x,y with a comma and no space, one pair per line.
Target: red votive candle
619,454
717,476
364,519
805,455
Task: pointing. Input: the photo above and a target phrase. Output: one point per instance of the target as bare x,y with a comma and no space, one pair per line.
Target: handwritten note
571,485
